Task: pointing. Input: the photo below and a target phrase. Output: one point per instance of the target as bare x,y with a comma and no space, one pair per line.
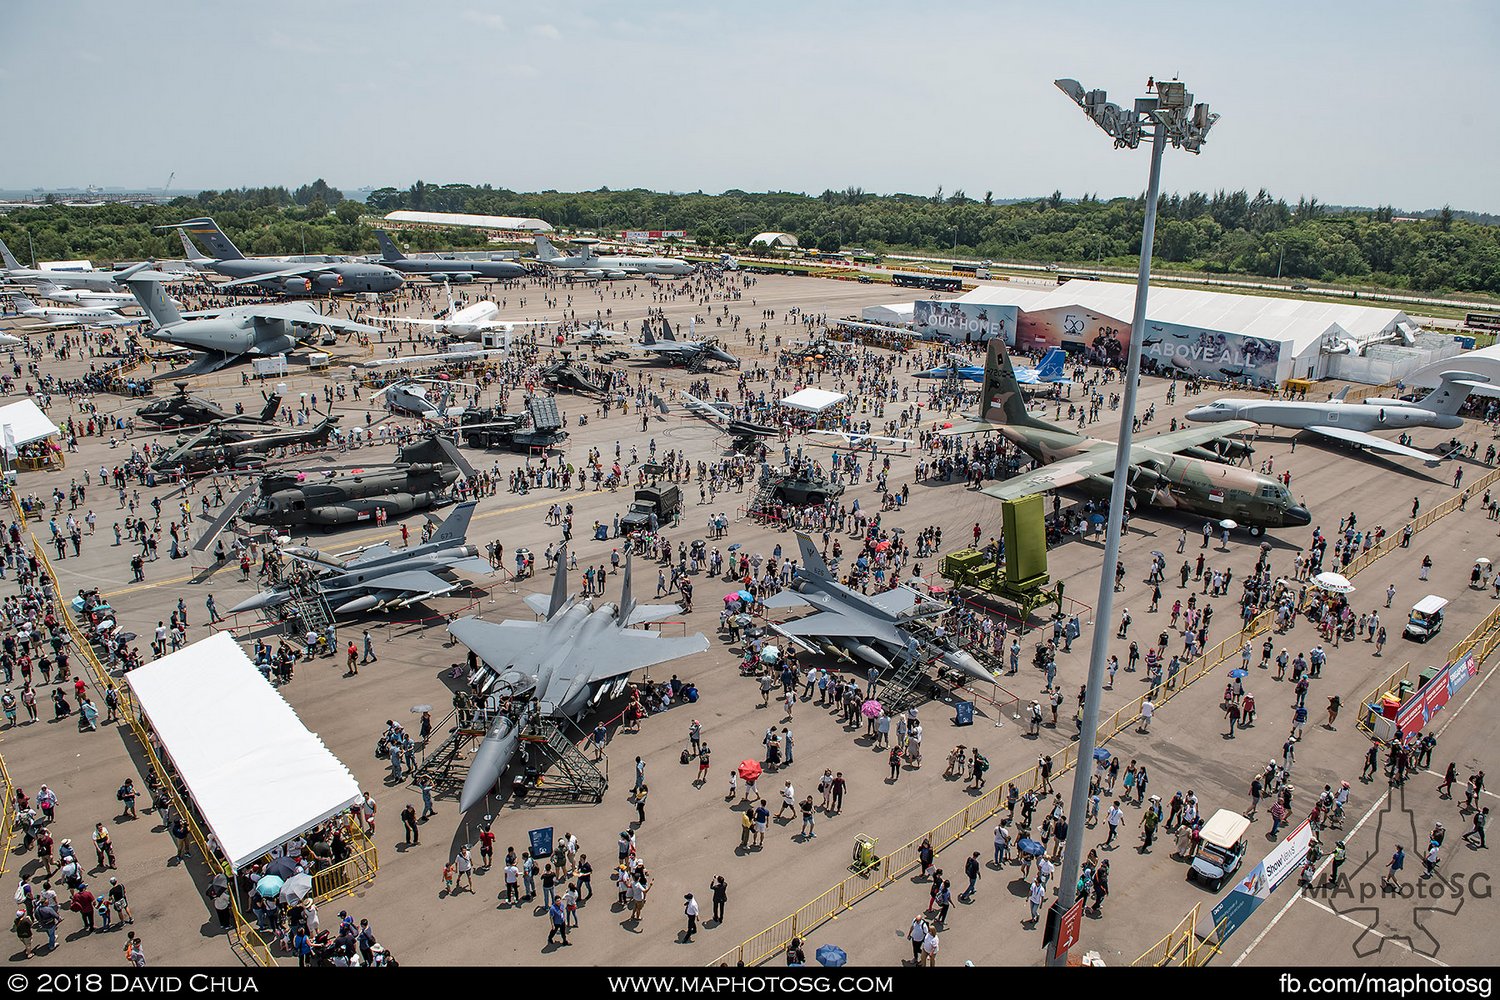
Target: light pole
1169,117
1280,256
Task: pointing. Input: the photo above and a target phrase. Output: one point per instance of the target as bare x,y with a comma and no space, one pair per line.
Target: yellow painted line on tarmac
559,497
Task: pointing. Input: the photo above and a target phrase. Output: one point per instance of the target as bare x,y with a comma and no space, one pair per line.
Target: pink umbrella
871,709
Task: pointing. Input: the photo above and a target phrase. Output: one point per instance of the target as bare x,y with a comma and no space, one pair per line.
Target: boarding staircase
556,767
306,611
765,493
446,765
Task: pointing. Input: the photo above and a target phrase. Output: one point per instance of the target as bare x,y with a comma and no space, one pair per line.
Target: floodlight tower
1169,117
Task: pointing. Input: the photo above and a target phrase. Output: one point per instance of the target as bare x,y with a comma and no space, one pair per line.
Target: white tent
814,400
27,422
508,222
258,776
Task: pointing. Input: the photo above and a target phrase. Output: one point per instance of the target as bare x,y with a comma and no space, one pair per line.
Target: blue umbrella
831,956
747,597
736,547
1238,672
270,886
1101,754
1031,847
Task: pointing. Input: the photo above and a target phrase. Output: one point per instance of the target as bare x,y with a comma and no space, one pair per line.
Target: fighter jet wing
504,644
377,551
784,599
631,649
895,601
854,626
643,613
416,581
1371,441
472,566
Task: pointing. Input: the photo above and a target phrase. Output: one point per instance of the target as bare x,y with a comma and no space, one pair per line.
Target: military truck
663,501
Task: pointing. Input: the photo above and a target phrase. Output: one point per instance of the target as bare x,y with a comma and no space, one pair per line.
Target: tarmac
691,833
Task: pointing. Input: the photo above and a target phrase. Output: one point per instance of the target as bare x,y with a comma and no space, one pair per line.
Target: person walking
559,921
972,871
690,910
1475,836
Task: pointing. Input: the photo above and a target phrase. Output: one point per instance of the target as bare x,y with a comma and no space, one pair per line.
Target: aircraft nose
1200,413
1298,515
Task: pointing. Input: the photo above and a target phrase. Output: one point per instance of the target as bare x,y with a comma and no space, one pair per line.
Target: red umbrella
947,425
750,769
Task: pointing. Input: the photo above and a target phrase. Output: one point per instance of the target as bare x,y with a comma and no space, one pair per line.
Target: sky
1318,98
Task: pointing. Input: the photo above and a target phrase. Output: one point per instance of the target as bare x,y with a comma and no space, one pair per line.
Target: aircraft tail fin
22,302
456,526
194,255
667,332
452,306
559,582
1000,400
544,249
8,257
154,300
1052,365
388,248
647,337
1341,395
1451,393
273,403
207,232
48,289
627,600
812,559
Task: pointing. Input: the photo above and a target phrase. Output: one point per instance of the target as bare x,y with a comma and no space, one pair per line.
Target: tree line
1225,232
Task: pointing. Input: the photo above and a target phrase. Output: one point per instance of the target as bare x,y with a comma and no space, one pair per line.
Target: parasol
750,769
419,709
1238,672
871,709
1032,847
736,546
746,596
770,654
831,956
270,886
1101,754
296,888
1334,583
1229,523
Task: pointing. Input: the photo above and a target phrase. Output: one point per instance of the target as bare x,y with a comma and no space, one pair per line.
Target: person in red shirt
487,847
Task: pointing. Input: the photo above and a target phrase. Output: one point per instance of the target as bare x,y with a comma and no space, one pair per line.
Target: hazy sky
1364,103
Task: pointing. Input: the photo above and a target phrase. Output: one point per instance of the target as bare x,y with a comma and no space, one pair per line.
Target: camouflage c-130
1182,470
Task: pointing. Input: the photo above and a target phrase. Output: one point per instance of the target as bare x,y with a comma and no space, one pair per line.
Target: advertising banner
1207,352
964,322
1422,706
1241,901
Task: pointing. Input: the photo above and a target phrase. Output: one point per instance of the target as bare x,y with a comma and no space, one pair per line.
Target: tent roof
774,239
475,221
1295,321
257,774
813,400
27,421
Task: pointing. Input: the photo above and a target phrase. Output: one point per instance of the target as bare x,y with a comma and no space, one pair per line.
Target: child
449,871
734,784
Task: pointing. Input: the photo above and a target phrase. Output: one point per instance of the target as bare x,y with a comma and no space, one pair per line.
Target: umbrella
1032,847
749,769
743,621
270,885
746,596
731,598
946,425
77,604
296,887
1334,583
736,546
770,654
1101,754
106,625
1096,518
1238,672
898,531
124,636
1228,523
416,709
882,546
871,709
221,882
831,956
1481,561
282,867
